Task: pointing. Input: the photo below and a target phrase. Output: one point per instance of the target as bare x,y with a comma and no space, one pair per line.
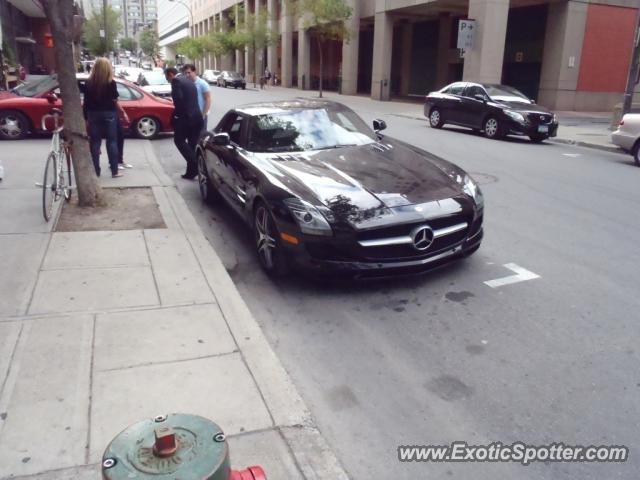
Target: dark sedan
231,79
498,110
323,191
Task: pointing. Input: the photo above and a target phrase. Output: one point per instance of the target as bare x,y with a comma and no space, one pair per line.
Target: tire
146,128
208,192
435,118
13,125
268,246
492,128
635,151
68,192
49,187
538,138
244,87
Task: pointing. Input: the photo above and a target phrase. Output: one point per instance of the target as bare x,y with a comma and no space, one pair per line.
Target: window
456,89
126,94
473,90
233,126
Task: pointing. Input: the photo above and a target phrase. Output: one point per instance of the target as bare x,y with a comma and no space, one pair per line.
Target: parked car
498,110
231,79
128,73
627,136
22,109
325,192
155,83
211,76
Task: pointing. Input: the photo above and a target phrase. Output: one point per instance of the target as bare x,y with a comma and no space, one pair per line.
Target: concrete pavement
101,329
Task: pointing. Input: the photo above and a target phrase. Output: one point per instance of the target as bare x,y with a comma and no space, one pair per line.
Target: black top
185,98
103,100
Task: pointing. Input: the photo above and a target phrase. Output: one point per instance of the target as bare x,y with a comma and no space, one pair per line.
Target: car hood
525,107
382,174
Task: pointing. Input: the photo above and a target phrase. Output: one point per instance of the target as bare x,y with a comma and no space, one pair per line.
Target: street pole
104,15
632,81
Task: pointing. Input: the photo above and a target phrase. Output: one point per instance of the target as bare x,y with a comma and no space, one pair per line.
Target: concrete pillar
382,48
286,37
272,50
444,34
350,49
304,57
259,53
239,53
483,63
405,59
249,54
561,56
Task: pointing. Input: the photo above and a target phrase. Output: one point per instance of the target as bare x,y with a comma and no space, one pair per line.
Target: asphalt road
444,357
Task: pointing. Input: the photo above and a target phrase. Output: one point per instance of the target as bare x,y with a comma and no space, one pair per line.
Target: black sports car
324,192
231,79
498,110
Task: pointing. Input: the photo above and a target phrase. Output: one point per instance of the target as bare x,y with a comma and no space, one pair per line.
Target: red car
22,109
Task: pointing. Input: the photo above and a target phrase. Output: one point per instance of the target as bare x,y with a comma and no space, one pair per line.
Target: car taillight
621,123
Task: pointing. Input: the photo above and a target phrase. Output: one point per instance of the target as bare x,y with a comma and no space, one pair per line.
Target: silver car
627,136
211,76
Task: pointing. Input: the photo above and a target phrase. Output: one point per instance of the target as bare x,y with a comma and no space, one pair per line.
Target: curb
288,410
595,146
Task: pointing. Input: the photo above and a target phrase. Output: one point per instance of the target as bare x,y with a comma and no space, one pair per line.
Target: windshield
155,78
502,93
235,75
35,87
311,129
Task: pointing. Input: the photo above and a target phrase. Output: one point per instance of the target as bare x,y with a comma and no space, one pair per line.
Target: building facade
567,54
173,26
25,37
135,15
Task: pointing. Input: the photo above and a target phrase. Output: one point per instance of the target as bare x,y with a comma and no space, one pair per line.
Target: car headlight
518,117
471,188
555,118
309,218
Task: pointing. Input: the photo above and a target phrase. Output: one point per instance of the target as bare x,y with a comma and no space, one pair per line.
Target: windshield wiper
331,147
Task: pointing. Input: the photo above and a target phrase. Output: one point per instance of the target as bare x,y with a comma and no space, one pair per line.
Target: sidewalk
101,329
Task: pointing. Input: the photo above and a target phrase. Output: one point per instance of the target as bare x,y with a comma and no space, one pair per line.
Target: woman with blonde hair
101,110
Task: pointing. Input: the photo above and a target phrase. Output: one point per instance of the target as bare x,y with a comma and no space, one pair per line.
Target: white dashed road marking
521,275
573,155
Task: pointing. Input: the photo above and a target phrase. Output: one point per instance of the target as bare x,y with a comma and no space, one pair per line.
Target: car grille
392,243
540,118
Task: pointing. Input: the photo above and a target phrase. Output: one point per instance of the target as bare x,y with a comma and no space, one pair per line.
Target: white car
211,76
627,136
155,83
128,73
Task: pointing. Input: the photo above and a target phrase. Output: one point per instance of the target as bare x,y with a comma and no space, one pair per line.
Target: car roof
265,108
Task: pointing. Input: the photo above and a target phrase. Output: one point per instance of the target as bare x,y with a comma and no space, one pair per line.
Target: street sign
101,33
466,34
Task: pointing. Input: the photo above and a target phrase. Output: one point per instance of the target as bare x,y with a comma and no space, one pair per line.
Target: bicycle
57,182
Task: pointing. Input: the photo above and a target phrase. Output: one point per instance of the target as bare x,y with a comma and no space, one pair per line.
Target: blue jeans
104,124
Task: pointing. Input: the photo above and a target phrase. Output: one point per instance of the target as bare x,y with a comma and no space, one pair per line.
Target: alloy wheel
265,241
11,127
491,128
147,127
435,118
202,177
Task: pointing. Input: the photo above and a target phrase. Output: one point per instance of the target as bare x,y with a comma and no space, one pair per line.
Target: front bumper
302,259
623,140
532,129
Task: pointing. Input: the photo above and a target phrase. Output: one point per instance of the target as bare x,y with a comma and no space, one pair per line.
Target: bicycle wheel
67,176
49,186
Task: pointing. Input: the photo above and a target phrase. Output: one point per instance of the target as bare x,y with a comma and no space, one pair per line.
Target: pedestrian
101,109
204,92
267,76
186,119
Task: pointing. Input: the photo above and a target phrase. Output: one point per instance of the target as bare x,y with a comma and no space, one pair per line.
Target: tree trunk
59,13
321,67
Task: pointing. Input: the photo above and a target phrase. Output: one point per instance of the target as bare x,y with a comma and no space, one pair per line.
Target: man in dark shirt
186,119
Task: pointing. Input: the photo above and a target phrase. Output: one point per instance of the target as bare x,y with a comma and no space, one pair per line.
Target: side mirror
51,97
379,125
221,139
479,96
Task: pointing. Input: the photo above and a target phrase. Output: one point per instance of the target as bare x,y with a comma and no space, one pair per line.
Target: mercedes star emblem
422,237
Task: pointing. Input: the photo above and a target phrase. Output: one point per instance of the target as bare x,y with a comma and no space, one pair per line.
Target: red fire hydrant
173,446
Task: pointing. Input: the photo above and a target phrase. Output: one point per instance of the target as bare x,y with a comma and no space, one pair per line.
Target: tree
59,13
95,43
256,34
328,19
149,42
192,47
129,44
